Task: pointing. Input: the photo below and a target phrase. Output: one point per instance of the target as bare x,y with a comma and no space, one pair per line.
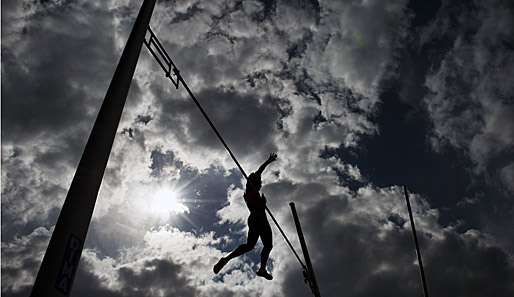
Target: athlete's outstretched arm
272,158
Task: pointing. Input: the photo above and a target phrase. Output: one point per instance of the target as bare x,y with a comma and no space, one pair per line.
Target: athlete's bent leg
253,235
240,250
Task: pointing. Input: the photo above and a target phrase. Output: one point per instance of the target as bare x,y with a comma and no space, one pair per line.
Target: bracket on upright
161,56
308,274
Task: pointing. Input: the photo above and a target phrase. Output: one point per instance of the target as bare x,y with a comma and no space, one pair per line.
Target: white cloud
236,210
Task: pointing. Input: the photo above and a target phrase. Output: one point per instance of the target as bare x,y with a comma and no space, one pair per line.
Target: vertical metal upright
418,251
60,262
310,271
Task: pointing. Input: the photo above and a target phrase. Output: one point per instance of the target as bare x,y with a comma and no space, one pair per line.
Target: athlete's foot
263,273
219,265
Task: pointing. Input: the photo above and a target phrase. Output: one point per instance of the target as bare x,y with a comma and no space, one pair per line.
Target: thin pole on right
418,251
312,278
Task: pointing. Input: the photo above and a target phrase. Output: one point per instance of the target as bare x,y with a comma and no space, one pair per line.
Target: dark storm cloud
144,119
151,277
156,277
47,91
89,284
20,261
161,160
464,266
362,252
470,97
245,120
27,200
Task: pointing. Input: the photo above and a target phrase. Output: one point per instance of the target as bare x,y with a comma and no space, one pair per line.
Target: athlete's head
255,180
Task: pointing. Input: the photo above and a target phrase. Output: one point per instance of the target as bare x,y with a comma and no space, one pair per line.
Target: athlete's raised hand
272,157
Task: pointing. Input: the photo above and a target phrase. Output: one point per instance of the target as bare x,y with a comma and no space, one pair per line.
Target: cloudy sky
357,98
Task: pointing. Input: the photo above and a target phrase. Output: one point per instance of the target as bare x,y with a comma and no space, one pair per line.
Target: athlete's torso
255,202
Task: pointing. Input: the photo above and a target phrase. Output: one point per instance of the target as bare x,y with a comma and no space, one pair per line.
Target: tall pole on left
57,271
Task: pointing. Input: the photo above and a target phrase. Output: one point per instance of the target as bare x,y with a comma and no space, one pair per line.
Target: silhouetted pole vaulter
418,251
311,277
173,74
258,225
57,271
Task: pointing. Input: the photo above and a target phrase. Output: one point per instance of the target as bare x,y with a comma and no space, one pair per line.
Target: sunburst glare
165,202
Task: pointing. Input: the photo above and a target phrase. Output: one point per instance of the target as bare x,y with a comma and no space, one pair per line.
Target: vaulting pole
418,252
57,271
310,272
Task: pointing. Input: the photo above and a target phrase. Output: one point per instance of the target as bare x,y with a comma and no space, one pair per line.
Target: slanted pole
310,272
60,262
418,251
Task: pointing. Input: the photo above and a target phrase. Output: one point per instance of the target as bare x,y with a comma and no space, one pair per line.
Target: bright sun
166,201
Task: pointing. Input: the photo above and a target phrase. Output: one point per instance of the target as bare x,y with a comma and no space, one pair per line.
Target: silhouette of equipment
415,237
173,74
309,273
61,260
